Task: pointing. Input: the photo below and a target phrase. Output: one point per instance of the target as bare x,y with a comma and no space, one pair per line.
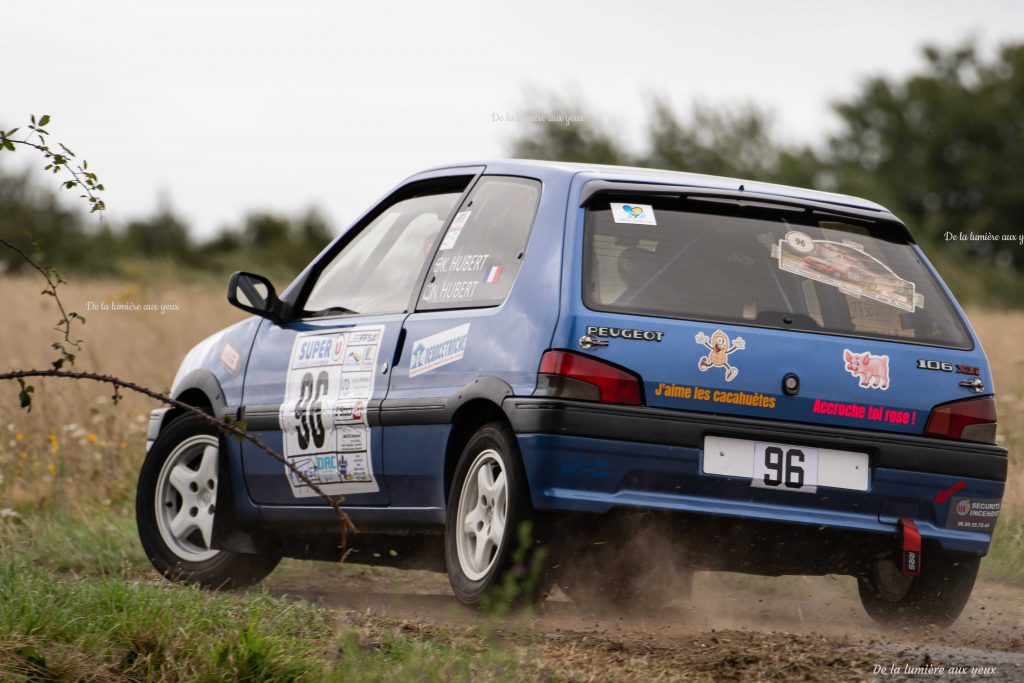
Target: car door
314,382
465,338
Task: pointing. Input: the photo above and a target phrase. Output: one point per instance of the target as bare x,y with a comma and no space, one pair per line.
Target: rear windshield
716,260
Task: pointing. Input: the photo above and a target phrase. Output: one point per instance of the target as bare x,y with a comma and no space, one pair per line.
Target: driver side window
377,270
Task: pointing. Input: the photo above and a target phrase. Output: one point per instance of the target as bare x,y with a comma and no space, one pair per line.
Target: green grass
78,602
97,543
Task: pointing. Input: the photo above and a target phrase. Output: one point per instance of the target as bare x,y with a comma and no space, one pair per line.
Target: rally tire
175,507
488,565
936,597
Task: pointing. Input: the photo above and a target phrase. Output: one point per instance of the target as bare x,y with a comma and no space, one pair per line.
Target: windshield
763,265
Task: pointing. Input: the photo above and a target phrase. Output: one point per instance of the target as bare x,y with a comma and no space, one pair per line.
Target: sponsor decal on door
438,349
323,418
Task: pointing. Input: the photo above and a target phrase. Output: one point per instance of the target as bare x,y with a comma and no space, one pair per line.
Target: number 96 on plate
785,468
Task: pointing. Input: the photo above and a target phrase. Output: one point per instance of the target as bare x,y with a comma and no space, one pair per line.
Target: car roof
546,169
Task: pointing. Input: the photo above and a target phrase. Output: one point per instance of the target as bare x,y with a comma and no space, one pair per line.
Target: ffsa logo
309,410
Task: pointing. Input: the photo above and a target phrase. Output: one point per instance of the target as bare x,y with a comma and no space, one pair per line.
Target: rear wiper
796,320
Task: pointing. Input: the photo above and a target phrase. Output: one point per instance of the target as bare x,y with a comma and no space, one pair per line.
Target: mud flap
910,547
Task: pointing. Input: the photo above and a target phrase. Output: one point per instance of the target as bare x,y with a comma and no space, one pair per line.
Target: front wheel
175,505
490,547
937,596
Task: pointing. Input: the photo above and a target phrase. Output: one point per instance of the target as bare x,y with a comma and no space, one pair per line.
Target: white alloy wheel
185,498
483,511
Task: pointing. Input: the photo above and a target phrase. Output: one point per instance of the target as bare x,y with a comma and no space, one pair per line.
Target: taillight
972,419
572,375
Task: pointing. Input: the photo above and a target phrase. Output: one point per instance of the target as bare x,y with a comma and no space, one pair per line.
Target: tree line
32,217
941,148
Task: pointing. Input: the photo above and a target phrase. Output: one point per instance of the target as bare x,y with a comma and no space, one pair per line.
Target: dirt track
737,628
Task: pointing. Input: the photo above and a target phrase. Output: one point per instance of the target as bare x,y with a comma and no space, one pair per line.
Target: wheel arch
199,389
470,417
476,404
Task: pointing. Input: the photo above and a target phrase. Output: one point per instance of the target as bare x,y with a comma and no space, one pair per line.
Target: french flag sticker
493,274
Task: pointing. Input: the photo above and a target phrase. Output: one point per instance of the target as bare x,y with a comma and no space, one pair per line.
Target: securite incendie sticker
975,514
323,417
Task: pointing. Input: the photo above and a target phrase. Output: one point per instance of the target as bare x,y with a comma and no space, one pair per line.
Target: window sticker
638,214
323,419
846,266
452,236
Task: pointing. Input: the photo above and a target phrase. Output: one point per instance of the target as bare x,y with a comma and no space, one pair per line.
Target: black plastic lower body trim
688,429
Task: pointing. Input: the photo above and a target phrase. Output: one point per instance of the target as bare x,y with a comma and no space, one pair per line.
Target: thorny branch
223,425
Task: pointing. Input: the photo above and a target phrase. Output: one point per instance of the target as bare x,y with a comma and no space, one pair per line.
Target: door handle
398,347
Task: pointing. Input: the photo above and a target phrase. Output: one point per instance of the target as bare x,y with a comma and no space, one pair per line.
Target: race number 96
785,468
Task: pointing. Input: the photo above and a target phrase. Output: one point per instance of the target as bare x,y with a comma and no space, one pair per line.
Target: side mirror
254,294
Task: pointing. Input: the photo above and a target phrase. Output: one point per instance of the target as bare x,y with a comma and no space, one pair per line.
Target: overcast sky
228,106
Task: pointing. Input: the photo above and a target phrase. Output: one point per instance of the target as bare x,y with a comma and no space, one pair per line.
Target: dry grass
1001,335
75,436
75,445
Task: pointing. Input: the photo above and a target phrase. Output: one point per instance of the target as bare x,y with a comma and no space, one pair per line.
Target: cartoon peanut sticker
720,348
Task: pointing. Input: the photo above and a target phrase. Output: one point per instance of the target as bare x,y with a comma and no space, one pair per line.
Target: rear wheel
175,507
937,596
491,547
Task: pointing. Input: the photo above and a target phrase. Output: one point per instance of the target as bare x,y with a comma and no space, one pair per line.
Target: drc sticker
719,347
847,267
976,514
323,421
455,230
638,214
438,349
871,371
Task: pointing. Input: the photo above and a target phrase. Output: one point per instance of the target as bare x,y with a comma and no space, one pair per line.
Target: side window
482,251
376,271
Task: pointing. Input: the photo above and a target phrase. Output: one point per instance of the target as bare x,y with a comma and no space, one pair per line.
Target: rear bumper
594,458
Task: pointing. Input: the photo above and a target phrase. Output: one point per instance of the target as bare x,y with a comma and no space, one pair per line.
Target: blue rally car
774,379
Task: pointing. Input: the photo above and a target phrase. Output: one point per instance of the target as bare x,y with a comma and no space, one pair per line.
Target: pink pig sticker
872,371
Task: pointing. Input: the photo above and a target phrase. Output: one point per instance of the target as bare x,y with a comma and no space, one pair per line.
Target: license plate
784,467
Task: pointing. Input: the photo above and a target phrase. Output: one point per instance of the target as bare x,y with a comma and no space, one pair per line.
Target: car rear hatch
759,307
